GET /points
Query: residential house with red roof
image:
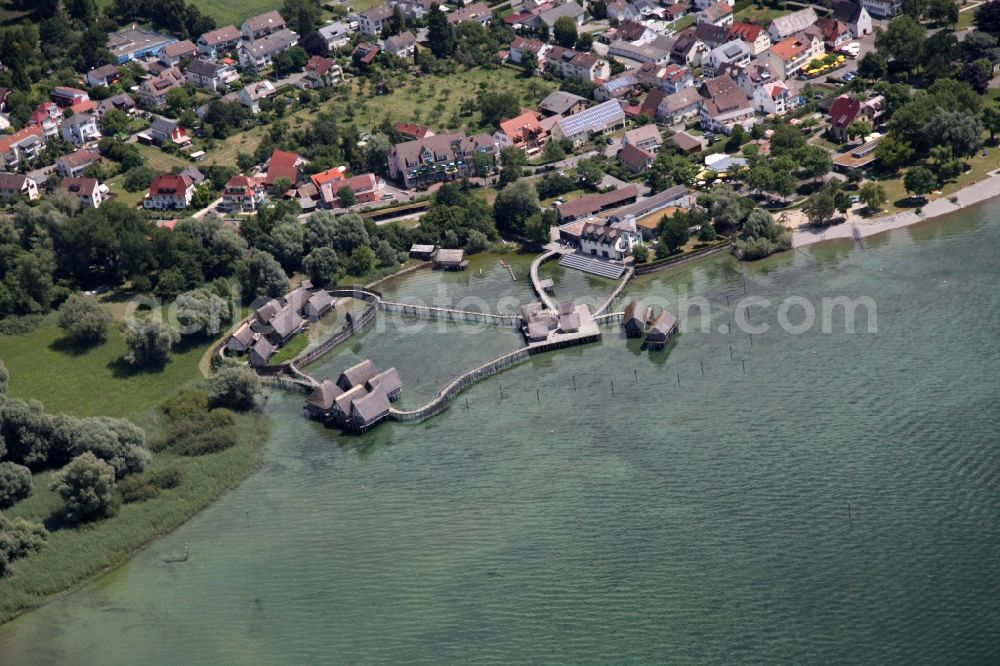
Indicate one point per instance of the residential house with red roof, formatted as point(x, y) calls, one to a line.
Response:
point(327, 183)
point(321, 72)
point(22, 146)
point(792, 54)
point(283, 164)
point(635, 158)
point(720, 14)
point(168, 192)
point(65, 96)
point(523, 132)
point(756, 37)
point(835, 33)
point(846, 110)
point(47, 116)
point(153, 92)
point(413, 131)
point(365, 53)
point(367, 187)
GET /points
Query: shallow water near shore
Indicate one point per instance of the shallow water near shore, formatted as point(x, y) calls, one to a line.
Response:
point(696, 512)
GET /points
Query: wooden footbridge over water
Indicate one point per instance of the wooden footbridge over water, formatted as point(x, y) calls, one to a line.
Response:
point(292, 376)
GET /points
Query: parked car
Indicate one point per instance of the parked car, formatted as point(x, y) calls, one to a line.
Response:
point(850, 76)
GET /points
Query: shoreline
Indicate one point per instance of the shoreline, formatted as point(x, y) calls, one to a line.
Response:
point(975, 193)
point(257, 440)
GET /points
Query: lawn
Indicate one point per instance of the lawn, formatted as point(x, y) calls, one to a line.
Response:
point(436, 101)
point(158, 161)
point(224, 11)
point(762, 17)
point(898, 199)
point(966, 16)
point(95, 380)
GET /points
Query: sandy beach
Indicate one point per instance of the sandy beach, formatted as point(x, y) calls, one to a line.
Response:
point(973, 194)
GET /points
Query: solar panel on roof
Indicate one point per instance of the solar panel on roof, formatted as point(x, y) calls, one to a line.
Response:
point(597, 117)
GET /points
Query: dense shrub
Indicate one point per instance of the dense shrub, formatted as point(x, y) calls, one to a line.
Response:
point(15, 484)
point(187, 405)
point(235, 388)
point(142, 487)
point(137, 488)
point(18, 538)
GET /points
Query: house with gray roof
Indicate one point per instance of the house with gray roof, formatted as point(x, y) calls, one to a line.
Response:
point(559, 103)
point(785, 26)
point(256, 55)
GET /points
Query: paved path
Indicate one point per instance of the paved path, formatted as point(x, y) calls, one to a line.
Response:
point(973, 194)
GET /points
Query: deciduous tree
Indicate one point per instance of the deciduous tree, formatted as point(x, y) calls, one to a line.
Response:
point(83, 319)
point(86, 486)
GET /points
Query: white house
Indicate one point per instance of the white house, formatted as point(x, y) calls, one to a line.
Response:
point(720, 14)
point(211, 76)
point(81, 128)
point(735, 53)
point(371, 21)
point(17, 186)
point(854, 16)
point(883, 9)
point(255, 56)
point(336, 35)
point(250, 95)
point(678, 106)
point(168, 192)
point(785, 26)
point(773, 98)
point(791, 55)
point(86, 190)
point(570, 64)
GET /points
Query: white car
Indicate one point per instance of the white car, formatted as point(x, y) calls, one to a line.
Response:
point(851, 50)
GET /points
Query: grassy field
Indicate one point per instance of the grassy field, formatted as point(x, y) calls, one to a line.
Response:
point(158, 161)
point(762, 17)
point(434, 101)
point(899, 199)
point(96, 381)
point(93, 381)
point(224, 11)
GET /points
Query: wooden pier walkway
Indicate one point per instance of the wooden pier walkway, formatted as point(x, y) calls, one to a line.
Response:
point(448, 314)
point(614, 294)
point(444, 397)
point(536, 281)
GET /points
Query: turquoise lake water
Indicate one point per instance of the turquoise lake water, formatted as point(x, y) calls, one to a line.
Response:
point(696, 514)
